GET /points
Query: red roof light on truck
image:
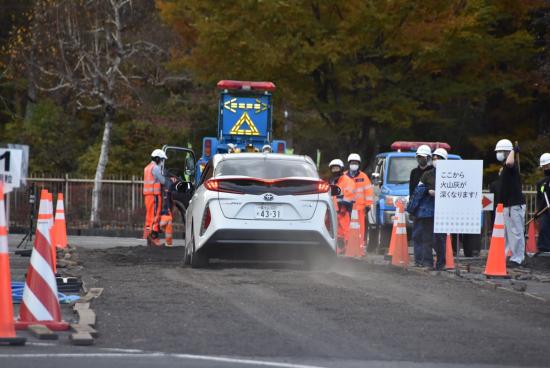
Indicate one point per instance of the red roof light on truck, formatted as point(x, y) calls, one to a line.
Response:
point(246, 85)
point(412, 146)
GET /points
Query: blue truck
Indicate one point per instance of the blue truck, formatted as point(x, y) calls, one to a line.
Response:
point(245, 120)
point(390, 179)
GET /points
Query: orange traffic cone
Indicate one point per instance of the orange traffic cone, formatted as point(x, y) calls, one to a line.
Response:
point(355, 241)
point(449, 259)
point(391, 248)
point(60, 227)
point(40, 303)
point(496, 260)
point(7, 325)
point(531, 245)
point(49, 217)
point(401, 248)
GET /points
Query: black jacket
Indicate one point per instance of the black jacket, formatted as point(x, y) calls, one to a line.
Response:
point(416, 174)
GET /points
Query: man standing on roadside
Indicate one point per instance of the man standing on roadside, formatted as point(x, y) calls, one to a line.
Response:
point(423, 157)
point(512, 198)
point(152, 181)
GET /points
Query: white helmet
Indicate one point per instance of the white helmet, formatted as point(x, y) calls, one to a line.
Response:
point(441, 152)
point(354, 157)
point(424, 151)
point(336, 162)
point(159, 153)
point(544, 159)
point(504, 145)
point(267, 148)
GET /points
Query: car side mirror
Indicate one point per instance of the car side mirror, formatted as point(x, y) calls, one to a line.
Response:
point(184, 187)
point(376, 178)
point(335, 190)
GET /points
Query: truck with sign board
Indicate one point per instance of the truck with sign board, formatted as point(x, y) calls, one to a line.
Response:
point(390, 179)
point(245, 120)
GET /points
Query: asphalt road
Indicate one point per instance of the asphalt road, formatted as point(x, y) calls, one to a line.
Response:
point(272, 314)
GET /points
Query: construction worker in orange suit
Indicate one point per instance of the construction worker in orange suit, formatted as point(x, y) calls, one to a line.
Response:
point(152, 182)
point(343, 203)
point(364, 193)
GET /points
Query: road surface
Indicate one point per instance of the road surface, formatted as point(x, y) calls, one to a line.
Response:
point(272, 314)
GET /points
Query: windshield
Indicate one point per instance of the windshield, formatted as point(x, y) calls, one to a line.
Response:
point(262, 168)
point(399, 169)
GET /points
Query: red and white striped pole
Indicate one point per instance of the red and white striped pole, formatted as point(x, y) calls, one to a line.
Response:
point(40, 303)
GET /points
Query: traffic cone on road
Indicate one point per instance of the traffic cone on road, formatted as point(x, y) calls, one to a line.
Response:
point(355, 241)
point(531, 244)
point(496, 260)
point(40, 304)
point(401, 248)
point(391, 247)
point(7, 325)
point(49, 217)
point(449, 258)
point(60, 227)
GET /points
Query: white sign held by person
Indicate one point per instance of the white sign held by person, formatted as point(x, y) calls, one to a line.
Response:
point(10, 168)
point(458, 187)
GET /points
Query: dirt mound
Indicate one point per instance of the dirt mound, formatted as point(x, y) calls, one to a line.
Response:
point(138, 255)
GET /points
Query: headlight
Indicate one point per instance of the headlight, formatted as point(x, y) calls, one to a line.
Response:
point(391, 200)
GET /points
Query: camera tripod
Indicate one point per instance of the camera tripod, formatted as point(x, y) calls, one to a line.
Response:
point(27, 241)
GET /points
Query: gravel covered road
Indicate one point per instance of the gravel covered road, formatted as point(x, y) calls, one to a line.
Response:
point(354, 314)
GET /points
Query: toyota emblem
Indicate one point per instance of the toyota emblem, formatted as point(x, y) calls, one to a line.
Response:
point(268, 197)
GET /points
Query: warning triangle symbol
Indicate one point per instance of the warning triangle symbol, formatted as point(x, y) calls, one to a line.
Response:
point(244, 122)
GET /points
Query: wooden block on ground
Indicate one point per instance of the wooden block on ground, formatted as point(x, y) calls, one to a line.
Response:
point(86, 317)
point(42, 332)
point(79, 306)
point(95, 292)
point(82, 339)
point(84, 328)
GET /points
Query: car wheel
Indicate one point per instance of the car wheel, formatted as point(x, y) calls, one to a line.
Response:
point(384, 237)
point(197, 260)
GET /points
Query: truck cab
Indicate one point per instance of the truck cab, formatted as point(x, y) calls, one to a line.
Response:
point(390, 180)
point(245, 121)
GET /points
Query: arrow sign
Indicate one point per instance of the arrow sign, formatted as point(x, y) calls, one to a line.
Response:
point(488, 202)
point(232, 105)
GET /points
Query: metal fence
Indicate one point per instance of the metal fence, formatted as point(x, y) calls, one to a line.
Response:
point(121, 201)
point(122, 205)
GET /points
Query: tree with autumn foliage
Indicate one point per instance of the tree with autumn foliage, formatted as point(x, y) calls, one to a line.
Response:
point(357, 74)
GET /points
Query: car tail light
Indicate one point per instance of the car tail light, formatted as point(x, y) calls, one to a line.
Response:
point(216, 185)
point(208, 147)
point(328, 223)
point(320, 187)
point(206, 219)
point(389, 201)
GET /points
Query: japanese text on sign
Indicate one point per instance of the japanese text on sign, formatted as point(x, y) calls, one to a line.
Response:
point(458, 196)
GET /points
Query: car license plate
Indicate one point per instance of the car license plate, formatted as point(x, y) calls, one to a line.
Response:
point(268, 212)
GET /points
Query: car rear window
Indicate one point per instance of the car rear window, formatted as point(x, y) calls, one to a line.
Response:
point(266, 169)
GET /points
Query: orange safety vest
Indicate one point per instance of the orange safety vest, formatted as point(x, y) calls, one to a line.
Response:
point(150, 185)
point(347, 188)
point(364, 193)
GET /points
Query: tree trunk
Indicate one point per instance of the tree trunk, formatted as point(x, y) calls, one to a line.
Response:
point(101, 165)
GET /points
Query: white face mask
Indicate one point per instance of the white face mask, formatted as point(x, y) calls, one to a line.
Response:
point(354, 167)
point(434, 163)
point(501, 156)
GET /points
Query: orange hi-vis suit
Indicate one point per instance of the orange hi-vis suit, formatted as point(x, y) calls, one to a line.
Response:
point(153, 201)
point(167, 227)
point(347, 187)
point(364, 197)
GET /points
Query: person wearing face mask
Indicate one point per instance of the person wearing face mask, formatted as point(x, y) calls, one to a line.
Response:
point(343, 203)
point(543, 200)
point(512, 198)
point(423, 157)
point(364, 193)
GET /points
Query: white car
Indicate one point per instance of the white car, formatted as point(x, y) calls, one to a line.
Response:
point(260, 206)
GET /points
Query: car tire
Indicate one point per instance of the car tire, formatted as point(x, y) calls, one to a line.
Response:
point(384, 238)
point(197, 260)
